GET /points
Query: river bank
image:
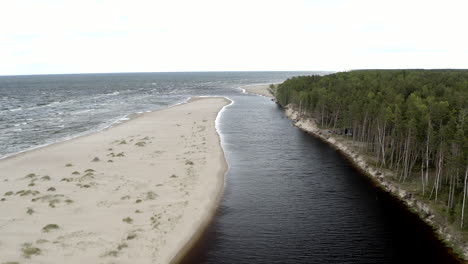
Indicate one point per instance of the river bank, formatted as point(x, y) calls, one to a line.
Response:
point(140, 191)
point(382, 178)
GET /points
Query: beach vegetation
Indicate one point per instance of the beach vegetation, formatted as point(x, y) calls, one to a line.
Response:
point(88, 174)
point(127, 220)
point(138, 211)
point(30, 176)
point(121, 154)
point(140, 144)
point(122, 246)
point(28, 250)
point(122, 142)
point(138, 201)
point(47, 197)
point(96, 159)
point(50, 227)
point(112, 253)
point(10, 262)
point(45, 178)
point(151, 195)
point(188, 162)
point(42, 241)
point(51, 189)
point(9, 193)
point(110, 160)
point(67, 179)
point(89, 170)
point(76, 173)
point(53, 202)
point(3, 199)
point(31, 184)
point(68, 165)
point(68, 201)
point(30, 211)
point(131, 236)
point(27, 192)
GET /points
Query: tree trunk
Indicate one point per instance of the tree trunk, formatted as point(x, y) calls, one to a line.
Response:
point(464, 196)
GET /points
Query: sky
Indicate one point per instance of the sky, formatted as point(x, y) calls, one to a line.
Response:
point(91, 36)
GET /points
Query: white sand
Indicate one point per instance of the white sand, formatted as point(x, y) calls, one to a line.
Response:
point(165, 178)
point(259, 90)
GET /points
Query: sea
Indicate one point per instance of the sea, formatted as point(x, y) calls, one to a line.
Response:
point(37, 110)
point(288, 198)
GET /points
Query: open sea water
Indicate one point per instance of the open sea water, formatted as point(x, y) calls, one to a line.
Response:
point(42, 109)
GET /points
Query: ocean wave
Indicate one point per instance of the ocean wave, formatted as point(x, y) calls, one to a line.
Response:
point(80, 112)
point(51, 104)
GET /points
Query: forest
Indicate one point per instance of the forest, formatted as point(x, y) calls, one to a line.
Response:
point(412, 122)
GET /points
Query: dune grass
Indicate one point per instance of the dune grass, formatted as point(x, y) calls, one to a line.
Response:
point(127, 220)
point(131, 236)
point(50, 227)
point(45, 178)
point(28, 250)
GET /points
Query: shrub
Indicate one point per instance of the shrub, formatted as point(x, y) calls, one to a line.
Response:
point(30, 211)
point(49, 228)
point(28, 250)
point(127, 220)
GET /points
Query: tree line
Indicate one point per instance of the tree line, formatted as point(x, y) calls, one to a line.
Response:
point(413, 122)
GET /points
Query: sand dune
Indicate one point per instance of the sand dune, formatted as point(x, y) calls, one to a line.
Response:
point(134, 193)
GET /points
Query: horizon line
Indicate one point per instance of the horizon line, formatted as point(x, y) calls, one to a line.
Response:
point(124, 72)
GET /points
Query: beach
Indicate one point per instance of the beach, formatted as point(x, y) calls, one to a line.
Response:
point(259, 90)
point(138, 192)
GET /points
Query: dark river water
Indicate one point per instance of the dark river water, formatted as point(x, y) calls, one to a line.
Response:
point(290, 198)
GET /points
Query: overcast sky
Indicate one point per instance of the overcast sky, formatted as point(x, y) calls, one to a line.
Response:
point(52, 36)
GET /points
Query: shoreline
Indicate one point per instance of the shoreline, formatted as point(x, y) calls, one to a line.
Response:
point(259, 89)
point(198, 234)
point(115, 123)
point(171, 211)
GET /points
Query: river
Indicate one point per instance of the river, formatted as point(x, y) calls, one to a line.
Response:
point(290, 198)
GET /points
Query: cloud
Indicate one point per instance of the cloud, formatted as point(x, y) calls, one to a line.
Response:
point(123, 36)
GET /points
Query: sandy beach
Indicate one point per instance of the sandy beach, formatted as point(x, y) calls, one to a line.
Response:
point(135, 193)
point(259, 90)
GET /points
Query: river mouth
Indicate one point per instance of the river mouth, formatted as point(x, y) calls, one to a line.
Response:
point(291, 198)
